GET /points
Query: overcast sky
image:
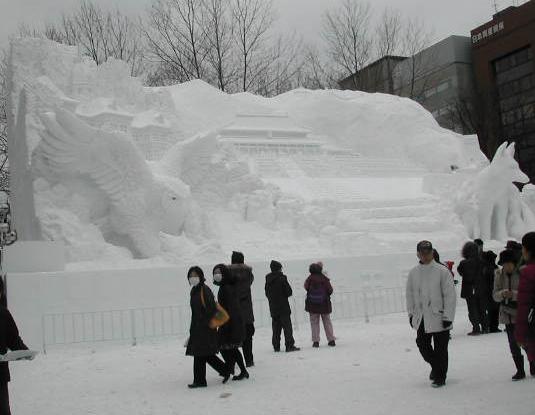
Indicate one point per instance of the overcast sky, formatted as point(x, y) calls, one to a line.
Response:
point(446, 17)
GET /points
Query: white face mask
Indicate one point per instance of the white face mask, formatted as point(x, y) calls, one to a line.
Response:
point(193, 281)
point(218, 277)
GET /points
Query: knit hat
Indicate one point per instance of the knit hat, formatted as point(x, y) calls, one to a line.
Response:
point(237, 257)
point(507, 256)
point(489, 257)
point(275, 266)
point(513, 245)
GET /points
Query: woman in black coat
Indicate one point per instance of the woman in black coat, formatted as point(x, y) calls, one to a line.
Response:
point(231, 334)
point(203, 341)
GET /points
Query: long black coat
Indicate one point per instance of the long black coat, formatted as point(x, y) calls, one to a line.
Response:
point(232, 334)
point(202, 339)
point(471, 271)
point(243, 274)
point(9, 340)
point(278, 291)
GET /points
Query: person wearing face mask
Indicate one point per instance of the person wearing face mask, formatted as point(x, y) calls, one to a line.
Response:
point(505, 292)
point(232, 334)
point(203, 340)
point(431, 303)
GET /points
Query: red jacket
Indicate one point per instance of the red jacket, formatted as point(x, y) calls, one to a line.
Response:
point(526, 299)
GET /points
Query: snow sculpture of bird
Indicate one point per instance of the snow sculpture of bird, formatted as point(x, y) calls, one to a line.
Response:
point(141, 204)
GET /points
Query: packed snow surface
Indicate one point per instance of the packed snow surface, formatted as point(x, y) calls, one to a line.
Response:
point(375, 369)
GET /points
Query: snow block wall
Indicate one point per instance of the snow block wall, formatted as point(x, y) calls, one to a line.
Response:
point(128, 176)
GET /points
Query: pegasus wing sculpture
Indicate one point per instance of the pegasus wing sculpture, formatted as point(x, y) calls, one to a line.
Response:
point(142, 205)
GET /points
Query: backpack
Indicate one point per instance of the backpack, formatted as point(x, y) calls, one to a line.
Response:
point(317, 294)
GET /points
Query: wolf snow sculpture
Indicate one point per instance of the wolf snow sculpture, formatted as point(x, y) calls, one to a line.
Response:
point(490, 205)
point(140, 203)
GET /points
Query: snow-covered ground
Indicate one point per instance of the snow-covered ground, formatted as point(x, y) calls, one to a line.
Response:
point(375, 369)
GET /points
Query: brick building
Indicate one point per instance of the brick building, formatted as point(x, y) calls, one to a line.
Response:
point(503, 52)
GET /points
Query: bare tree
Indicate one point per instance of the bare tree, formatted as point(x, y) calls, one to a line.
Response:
point(252, 20)
point(99, 33)
point(219, 34)
point(346, 33)
point(388, 43)
point(176, 37)
point(414, 74)
point(283, 63)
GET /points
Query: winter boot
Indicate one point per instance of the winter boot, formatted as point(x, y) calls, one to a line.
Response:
point(277, 349)
point(432, 375)
point(475, 332)
point(316, 344)
point(332, 343)
point(520, 373)
point(241, 376)
point(292, 349)
point(197, 385)
point(438, 384)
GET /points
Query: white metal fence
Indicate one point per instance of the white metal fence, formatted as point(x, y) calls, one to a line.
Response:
point(133, 325)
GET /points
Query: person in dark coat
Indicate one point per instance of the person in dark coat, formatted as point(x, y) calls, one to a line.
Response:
point(470, 269)
point(244, 280)
point(318, 304)
point(278, 291)
point(506, 293)
point(203, 341)
point(9, 340)
point(526, 300)
point(486, 288)
point(231, 334)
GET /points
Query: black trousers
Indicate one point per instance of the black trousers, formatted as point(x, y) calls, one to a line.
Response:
point(4, 399)
point(232, 357)
point(494, 315)
point(280, 323)
point(516, 352)
point(477, 313)
point(199, 367)
point(248, 344)
point(434, 349)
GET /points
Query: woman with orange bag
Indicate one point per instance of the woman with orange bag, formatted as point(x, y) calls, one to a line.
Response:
point(203, 341)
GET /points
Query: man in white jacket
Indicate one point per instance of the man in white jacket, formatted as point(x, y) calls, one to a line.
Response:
point(431, 302)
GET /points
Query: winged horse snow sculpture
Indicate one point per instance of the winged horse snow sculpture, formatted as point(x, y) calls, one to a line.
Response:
point(490, 205)
point(141, 203)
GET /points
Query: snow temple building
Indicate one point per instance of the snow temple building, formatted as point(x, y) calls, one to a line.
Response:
point(269, 133)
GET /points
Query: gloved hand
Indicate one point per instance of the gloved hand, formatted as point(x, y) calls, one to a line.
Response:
point(446, 324)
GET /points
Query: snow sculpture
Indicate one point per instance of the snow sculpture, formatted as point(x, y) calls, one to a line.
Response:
point(139, 203)
point(490, 205)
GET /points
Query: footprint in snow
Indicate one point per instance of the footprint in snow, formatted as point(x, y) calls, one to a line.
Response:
point(225, 395)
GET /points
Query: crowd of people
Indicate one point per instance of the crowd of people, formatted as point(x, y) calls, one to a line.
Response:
point(224, 323)
point(502, 293)
point(495, 294)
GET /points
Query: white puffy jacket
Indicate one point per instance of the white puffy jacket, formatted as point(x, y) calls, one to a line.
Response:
point(431, 296)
